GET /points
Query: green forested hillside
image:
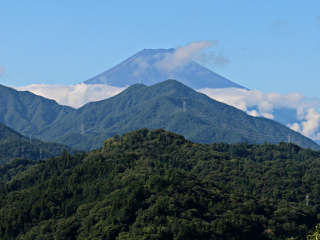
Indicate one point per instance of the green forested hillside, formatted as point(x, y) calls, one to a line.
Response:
point(14, 145)
point(26, 112)
point(202, 119)
point(6, 133)
point(157, 185)
point(169, 105)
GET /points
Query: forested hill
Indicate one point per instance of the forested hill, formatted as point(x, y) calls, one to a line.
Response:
point(14, 145)
point(26, 112)
point(6, 133)
point(170, 105)
point(157, 185)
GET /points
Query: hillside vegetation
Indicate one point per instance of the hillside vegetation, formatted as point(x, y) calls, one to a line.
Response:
point(14, 145)
point(154, 184)
point(169, 105)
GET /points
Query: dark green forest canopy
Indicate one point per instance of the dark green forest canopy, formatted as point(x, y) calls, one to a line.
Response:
point(154, 184)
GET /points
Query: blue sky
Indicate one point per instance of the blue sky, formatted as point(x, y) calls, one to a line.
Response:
point(270, 45)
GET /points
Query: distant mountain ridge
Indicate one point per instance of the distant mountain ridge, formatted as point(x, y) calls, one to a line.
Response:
point(26, 112)
point(170, 105)
point(143, 67)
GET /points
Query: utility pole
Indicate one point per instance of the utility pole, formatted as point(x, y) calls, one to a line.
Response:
point(307, 200)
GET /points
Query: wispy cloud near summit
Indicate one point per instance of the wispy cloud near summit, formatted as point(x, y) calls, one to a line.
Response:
point(193, 51)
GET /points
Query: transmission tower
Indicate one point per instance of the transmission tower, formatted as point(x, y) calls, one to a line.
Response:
point(307, 200)
point(184, 106)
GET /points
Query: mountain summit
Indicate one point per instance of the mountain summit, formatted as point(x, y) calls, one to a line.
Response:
point(151, 66)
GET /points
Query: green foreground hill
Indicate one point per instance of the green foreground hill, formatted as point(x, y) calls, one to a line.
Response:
point(157, 185)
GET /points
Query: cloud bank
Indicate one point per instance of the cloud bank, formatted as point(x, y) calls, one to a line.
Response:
point(256, 103)
point(193, 51)
point(73, 95)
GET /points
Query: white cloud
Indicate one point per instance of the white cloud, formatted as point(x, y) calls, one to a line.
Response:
point(73, 95)
point(1, 70)
point(253, 113)
point(267, 115)
point(193, 51)
point(142, 66)
point(311, 124)
point(256, 103)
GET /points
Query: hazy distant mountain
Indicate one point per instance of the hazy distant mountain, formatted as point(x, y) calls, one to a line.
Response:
point(169, 105)
point(147, 67)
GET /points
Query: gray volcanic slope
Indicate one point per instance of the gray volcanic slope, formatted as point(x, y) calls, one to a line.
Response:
point(143, 67)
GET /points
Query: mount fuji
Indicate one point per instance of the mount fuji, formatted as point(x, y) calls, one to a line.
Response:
point(151, 66)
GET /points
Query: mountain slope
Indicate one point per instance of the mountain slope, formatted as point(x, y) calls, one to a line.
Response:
point(169, 105)
point(145, 67)
point(14, 145)
point(7, 133)
point(26, 112)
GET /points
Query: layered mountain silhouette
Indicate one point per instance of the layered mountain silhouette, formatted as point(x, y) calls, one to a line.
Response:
point(170, 105)
point(150, 66)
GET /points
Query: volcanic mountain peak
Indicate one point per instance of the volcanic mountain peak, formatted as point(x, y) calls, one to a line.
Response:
point(151, 66)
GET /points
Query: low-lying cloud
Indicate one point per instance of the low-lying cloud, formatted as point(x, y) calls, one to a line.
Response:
point(256, 103)
point(73, 95)
point(193, 51)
